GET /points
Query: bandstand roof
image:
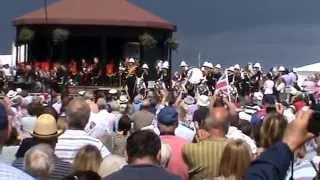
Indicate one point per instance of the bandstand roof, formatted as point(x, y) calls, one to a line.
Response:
point(95, 12)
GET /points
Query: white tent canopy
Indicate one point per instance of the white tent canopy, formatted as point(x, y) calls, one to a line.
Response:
point(311, 68)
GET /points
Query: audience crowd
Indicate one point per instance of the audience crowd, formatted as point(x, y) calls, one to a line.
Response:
point(161, 134)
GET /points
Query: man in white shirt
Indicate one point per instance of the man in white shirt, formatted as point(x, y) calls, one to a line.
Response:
point(101, 123)
point(74, 138)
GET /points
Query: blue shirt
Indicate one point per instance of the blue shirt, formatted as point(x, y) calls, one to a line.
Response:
point(9, 172)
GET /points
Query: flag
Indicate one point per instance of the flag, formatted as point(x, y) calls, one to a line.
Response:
point(223, 82)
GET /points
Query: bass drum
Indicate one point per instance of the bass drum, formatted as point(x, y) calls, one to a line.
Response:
point(194, 76)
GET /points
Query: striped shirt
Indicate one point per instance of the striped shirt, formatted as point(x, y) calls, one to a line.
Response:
point(9, 172)
point(203, 158)
point(61, 168)
point(71, 141)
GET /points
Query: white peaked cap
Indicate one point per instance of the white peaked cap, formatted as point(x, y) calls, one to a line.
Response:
point(205, 64)
point(131, 60)
point(209, 65)
point(237, 66)
point(281, 69)
point(183, 64)
point(257, 65)
point(145, 66)
point(218, 66)
point(165, 65)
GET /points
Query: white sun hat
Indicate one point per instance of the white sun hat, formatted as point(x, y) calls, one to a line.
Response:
point(203, 101)
point(145, 66)
point(183, 64)
point(11, 94)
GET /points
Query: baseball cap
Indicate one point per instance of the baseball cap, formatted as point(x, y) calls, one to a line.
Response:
point(168, 116)
point(3, 117)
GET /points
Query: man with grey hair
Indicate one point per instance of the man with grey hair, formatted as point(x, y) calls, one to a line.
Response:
point(39, 161)
point(77, 116)
point(209, 151)
point(6, 171)
point(104, 121)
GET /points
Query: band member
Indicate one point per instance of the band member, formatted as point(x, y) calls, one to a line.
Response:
point(145, 74)
point(209, 76)
point(84, 72)
point(96, 72)
point(131, 76)
point(165, 75)
point(256, 78)
point(183, 71)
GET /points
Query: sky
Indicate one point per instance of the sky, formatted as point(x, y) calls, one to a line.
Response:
point(273, 32)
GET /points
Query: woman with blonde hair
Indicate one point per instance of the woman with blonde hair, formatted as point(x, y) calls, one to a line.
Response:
point(272, 130)
point(235, 160)
point(88, 158)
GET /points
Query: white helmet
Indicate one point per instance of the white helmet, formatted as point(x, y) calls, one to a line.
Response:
point(131, 60)
point(145, 66)
point(218, 66)
point(237, 66)
point(183, 64)
point(165, 65)
point(281, 68)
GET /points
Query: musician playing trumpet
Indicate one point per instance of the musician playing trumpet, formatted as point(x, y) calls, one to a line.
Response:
point(131, 77)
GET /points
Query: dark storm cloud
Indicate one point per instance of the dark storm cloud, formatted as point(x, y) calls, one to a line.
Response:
point(228, 31)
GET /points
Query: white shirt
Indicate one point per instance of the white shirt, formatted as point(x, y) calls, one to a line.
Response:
point(235, 133)
point(101, 123)
point(268, 87)
point(57, 106)
point(281, 87)
point(71, 141)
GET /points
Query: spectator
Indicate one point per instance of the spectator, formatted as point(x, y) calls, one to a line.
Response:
point(202, 112)
point(166, 154)
point(167, 124)
point(88, 158)
point(111, 164)
point(116, 142)
point(103, 123)
point(69, 143)
point(28, 122)
point(203, 158)
point(235, 160)
point(144, 117)
point(6, 171)
point(275, 161)
point(45, 132)
point(143, 150)
point(38, 161)
point(272, 130)
point(83, 175)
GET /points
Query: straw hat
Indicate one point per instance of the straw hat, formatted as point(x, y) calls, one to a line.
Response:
point(46, 127)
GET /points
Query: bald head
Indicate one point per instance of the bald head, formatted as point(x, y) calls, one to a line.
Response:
point(78, 113)
point(219, 119)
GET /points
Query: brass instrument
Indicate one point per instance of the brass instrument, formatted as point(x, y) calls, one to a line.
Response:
point(132, 71)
